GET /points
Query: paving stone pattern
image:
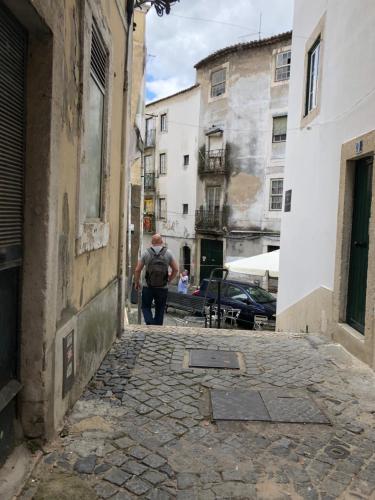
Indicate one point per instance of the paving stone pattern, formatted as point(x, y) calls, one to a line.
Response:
point(142, 429)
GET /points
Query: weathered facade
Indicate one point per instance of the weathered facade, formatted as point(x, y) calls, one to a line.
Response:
point(242, 134)
point(170, 173)
point(64, 116)
point(327, 273)
point(136, 145)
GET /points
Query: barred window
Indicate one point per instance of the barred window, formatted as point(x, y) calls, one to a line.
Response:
point(218, 82)
point(279, 128)
point(283, 61)
point(276, 194)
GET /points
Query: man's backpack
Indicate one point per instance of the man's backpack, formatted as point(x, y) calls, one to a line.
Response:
point(157, 269)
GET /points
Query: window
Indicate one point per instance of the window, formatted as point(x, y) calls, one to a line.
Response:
point(163, 122)
point(312, 77)
point(276, 194)
point(282, 71)
point(185, 208)
point(92, 187)
point(213, 198)
point(150, 132)
point(279, 128)
point(218, 82)
point(235, 293)
point(148, 164)
point(162, 164)
point(186, 160)
point(162, 208)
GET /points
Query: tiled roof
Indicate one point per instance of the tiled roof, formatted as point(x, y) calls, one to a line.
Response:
point(245, 46)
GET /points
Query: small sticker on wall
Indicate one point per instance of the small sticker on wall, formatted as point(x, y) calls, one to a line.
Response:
point(288, 200)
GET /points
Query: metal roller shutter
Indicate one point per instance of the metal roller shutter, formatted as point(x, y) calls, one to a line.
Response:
point(12, 136)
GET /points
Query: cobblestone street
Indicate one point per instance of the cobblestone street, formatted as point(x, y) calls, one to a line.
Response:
point(143, 428)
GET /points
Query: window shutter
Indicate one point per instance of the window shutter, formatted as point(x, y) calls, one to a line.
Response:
point(280, 125)
point(98, 57)
point(12, 135)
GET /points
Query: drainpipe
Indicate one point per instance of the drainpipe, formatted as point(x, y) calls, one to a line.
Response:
point(140, 249)
point(121, 272)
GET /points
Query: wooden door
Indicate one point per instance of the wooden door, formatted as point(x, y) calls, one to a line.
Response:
point(357, 284)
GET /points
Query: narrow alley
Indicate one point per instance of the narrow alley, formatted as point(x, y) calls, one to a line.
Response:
point(144, 428)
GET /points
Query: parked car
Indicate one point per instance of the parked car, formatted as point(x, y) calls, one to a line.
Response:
point(251, 299)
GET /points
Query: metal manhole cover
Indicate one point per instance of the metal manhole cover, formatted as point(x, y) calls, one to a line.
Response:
point(292, 407)
point(210, 358)
point(267, 405)
point(238, 405)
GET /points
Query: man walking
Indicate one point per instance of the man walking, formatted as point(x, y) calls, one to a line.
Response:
point(157, 260)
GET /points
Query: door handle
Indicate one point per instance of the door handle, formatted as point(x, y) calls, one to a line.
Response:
point(360, 244)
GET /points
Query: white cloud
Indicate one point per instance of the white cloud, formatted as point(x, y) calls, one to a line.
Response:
point(163, 88)
point(178, 41)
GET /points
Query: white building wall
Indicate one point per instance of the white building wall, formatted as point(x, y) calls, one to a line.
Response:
point(178, 185)
point(347, 110)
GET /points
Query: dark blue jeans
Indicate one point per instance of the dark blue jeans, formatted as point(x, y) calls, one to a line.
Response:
point(159, 296)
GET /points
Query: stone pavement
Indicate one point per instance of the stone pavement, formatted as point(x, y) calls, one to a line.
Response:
point(142, 429)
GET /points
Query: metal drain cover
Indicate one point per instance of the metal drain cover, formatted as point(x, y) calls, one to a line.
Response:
point(267, 405)
point(238, 405)
point(291, 406)
point(210, 358)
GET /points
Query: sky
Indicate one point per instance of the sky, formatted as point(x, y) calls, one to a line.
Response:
point(196, 28)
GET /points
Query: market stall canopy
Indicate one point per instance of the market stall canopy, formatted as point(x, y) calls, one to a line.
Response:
point(258, 265)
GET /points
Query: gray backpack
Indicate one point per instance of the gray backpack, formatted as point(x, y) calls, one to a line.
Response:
point(157, 269)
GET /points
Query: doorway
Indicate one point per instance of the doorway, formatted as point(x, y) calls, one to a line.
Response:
point(211, 257)
point(13, 44)
point(357, 283)
point(186, 253)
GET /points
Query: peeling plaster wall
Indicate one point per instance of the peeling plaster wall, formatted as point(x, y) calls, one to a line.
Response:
point(60, 287)
point(245, 113)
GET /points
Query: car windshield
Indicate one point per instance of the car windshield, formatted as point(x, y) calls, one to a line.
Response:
point(259, 294)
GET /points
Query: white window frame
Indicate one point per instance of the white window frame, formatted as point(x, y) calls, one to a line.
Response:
point(279, 137)
point(280, 65)
point(313, 69)
point(276, 195)
point(222, 82)
point(162, 163)
point(217, 191)
point(162, 213)
point(163, 122)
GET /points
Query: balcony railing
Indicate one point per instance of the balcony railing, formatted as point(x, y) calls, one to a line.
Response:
point(150, 138)
point(211, 220)
point(214, 162)
point(149, 182)
point(149, 223)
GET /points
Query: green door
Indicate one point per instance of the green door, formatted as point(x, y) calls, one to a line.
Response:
point(211, 257)
point(356, 306)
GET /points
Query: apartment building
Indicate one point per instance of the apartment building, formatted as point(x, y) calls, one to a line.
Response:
point(242, 136)
point(170, 173)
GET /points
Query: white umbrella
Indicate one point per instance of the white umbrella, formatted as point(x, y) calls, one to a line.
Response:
point(258, 265)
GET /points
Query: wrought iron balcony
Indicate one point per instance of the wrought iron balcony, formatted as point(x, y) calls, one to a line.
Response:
point(211, 220)
point(149, 223)
point(150, 138)
point(213, 162)
point(149, 182)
